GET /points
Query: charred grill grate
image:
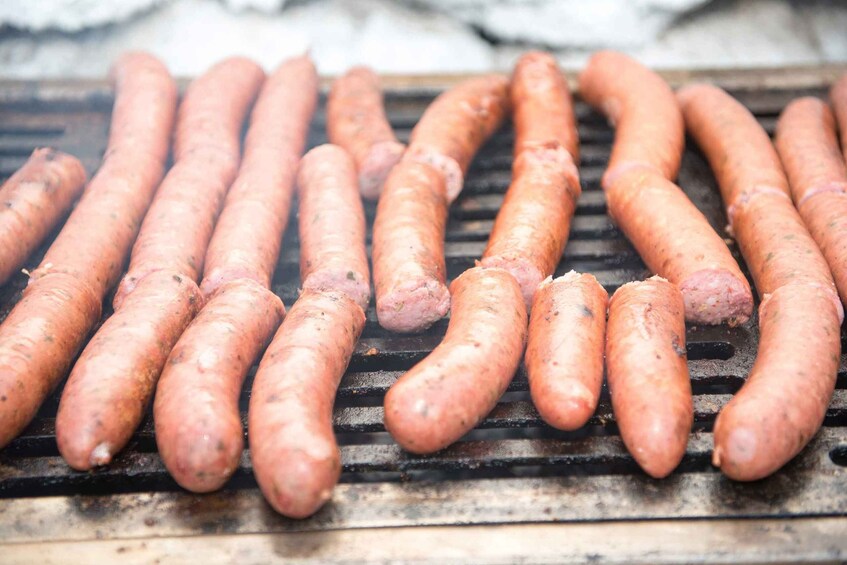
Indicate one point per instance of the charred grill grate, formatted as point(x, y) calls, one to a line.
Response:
point(580, 476)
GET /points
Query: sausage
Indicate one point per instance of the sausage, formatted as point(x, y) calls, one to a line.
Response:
point(410, 276)
point(198, 425)
point(647, 373)
point(332, 225)
point(356, 121)
point(87, 256)
point(38, 340)
point(542, 106)
point(642, 107)
point(675, 240)
point(738, 149)
point(799, 297)
point(456, 125)
point(454, 387)
point(295, 457)
point(838, 98)
point(808, 147)
point(33, 201)
point(247, 237)
point(111, 384)
point(783, 403)
point(179, 224)
point(564, 354)
point(95, 240)
point(532, 226)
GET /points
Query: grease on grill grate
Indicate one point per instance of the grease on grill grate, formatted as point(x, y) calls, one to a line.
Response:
point(512, 441)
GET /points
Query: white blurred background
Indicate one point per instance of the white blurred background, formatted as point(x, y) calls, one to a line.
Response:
point(79, 38)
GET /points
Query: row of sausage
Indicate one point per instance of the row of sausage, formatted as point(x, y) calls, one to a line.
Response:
point(221, 214)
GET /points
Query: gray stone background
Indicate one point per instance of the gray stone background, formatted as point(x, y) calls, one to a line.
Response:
point(79, 38)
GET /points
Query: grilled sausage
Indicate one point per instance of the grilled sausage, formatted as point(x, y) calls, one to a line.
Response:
point(783, 403)
point(356, 121)
point(95, 422)
point(450, 391)
point(198, 425)
point(111, 384)
point(332, 225)
point(410, 276)
point(38, 340)
point(179, 224)
point(91, 248)
point(564, 354)
point(649, 132)
point(456, 125)
point(675, 240)
point(292, 446)
point(247, 237)
point(794, 280)
point(808, 147)
point(542, 106)
point(33, 201)
point(838, 98)
point(532, 226)
point(647, 373)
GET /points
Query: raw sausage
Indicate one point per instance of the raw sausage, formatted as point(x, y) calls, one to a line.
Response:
point(564, 354)
point(248, 235)
point(356, 121)
point(198, 425)
point(675, 240)
point(783, 403)
point(112, 382)
point(292, 446)
point(647, 373)
point(86, 258)
point(838, 98)
point(451, 390)
point(808, 146)
point(410, 276)
point(532, 226)
point(456, 125)
point(649, 131)
point(332, 225)
point(33, 201)
point(179, 224)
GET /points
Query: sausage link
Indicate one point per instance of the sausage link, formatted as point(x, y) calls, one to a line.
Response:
point(356, 121)
point(38, 340)
point(838, 98)
point(542, 106)
point(292, 445)
point(676, 241)
point(95, 240)
point(647, 373)
point(33, 201)
point(332, 225)
point(808, 146)
point(451, 390)
point(456, 125)
point(532, 226)
point(783, 403)
point(247, 237)
point(410, 276)
point(564, 354)
point(649, 131)
point(111, 384)
point(179, 224)
point(198, 425)
point(738, 149)
point(91, 248)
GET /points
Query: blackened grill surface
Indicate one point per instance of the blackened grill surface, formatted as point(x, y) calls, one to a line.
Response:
point(511, 469)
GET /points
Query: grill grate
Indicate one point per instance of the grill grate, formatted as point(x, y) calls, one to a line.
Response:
point(511, 469)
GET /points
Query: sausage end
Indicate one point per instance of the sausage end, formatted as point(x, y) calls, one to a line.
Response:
point(413, 307)
point(716, 296)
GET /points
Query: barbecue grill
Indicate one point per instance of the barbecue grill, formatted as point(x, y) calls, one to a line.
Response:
point(513, 487)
